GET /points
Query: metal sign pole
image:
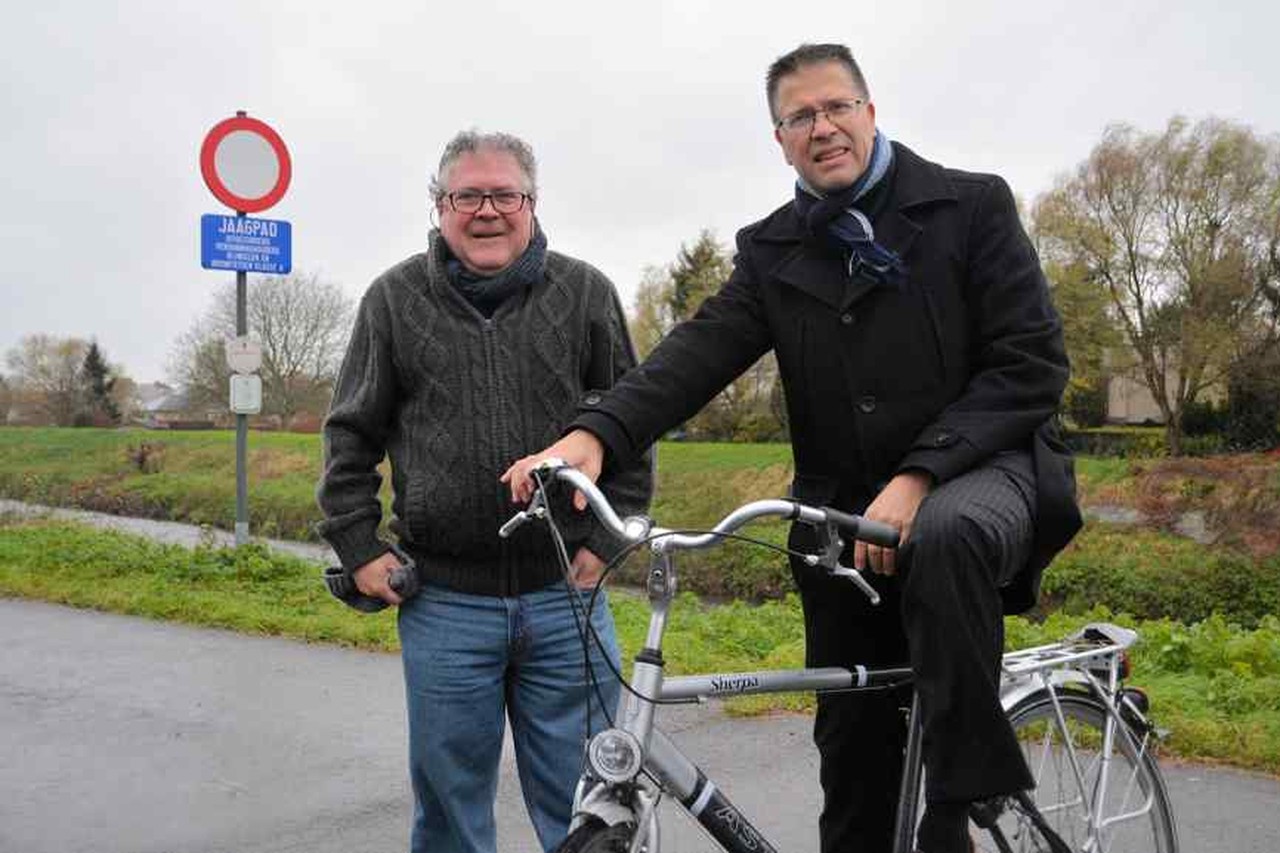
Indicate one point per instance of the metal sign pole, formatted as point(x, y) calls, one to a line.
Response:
point(242, 421)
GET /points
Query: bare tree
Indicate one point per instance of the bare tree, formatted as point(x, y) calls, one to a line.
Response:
point(48, 369)
point(1180, 231)
point(750, 408)
point(302, 324)
point(651, 315)
point(198, 364)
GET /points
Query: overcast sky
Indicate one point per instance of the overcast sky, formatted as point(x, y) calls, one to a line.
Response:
point(649, 122)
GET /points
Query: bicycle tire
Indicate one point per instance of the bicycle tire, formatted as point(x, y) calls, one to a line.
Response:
point(1134, 785)
point(595, 836)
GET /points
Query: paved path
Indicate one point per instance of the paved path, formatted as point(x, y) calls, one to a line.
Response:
point(122, 735)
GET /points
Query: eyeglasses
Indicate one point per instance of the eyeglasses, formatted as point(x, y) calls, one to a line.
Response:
point(503, 201)
point(802, 121)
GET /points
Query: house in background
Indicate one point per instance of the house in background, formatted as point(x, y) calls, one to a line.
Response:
point(24, 407)
point(160, 406)
point(1129, 401)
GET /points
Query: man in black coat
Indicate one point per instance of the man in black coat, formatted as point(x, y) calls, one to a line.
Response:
point(923, 364)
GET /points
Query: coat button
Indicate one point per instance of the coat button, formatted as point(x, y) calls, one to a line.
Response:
point(942, 439)
point(867, 404)
point(846, 318)
point(591, 400)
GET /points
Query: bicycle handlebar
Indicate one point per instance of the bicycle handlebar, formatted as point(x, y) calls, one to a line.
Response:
point(857, 527)
point(636, 528)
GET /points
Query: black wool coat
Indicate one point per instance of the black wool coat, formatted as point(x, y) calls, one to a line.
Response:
point(962, 360)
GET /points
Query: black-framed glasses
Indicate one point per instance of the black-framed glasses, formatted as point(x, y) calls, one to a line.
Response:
point(503, 201)
point(802, 121)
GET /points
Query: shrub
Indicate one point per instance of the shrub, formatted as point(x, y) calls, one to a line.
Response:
point(1141, 443)
point(1151, 578)
point(1203, 417)
point(146, 456)
point(1205, 445)
point(1252, 417)
point(1122, 442)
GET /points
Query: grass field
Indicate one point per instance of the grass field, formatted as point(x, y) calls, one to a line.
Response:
point(190, 477)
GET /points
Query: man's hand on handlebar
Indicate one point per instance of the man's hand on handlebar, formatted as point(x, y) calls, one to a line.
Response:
point(896, 505)
point(579, 448)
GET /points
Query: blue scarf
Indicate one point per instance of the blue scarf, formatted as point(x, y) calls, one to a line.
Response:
point(836, 221)
point(488, 292)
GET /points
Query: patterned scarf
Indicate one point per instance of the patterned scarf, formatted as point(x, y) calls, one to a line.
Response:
point(836, 221)
point(488, 292)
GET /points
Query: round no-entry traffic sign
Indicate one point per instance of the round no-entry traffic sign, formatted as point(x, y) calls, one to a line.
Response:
point(245, 164)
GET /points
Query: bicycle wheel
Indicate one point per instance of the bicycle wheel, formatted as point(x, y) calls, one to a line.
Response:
point(595, 836)
point(1073, 781)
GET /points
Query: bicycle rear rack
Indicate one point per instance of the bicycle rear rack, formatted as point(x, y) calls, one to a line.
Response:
point(1095, 647)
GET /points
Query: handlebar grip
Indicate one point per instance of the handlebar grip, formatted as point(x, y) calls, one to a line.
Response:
point(403, 581)
point(343, 587)
point(857, 527)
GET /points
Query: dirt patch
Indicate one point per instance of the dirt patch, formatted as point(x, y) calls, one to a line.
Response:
point(104, 494)
point(1237, 496)
point(270, 464)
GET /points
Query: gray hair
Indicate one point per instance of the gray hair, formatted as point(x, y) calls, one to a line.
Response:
point(471, 141)
point(810, 54)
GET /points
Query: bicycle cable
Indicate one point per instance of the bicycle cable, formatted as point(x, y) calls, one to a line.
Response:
point(579, 618)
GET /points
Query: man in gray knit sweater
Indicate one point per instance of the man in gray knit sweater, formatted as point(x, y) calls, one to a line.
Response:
point(463, 357)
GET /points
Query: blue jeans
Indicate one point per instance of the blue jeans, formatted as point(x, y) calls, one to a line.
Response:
point(470, 663)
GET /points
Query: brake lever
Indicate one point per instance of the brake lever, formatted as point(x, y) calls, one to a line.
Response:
point(830, 560)
point(859, 581)
point(536, 510)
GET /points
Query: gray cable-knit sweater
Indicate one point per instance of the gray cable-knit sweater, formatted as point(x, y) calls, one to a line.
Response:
point(452, 399)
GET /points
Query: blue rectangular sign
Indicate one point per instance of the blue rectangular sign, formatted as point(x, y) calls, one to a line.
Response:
point(244, 243)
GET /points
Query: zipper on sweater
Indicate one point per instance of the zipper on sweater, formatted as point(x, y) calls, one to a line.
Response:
point(488, 329)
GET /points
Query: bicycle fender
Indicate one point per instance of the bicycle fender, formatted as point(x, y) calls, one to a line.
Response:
point(1014, 691)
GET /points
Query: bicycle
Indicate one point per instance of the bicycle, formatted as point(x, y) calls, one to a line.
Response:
point(1086, 736)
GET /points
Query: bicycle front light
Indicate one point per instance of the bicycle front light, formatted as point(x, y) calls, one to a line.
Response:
point(614, 755)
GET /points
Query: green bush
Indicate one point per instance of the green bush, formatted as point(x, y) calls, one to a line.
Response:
point(1253, 413)
point(1203, 417)
point(1122, 442)
point(1142, 443)
point(1156, 577)
point(1205, 445)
